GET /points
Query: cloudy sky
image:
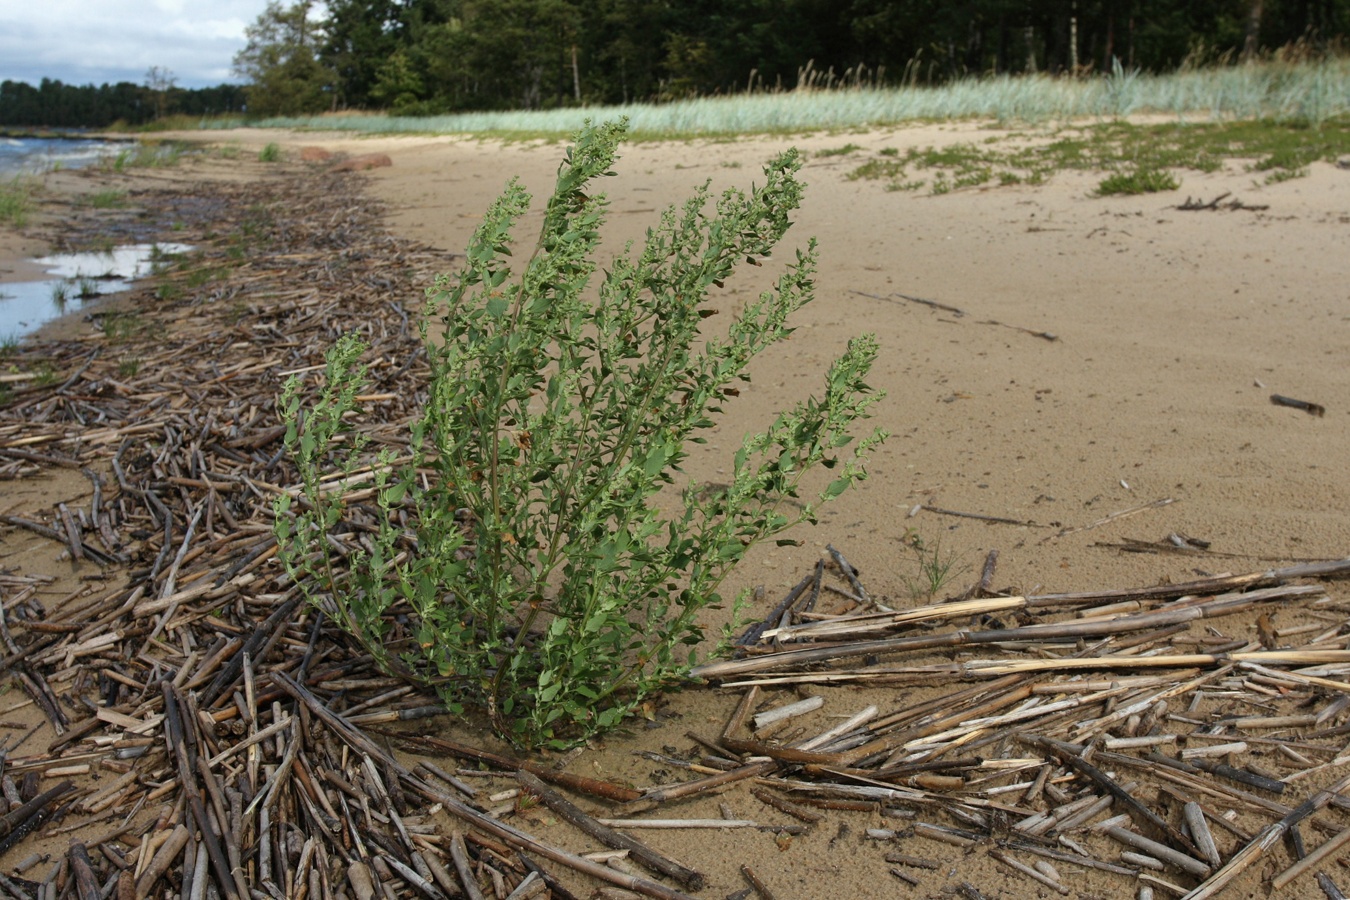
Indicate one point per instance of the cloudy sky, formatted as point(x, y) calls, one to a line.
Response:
point(97, 41)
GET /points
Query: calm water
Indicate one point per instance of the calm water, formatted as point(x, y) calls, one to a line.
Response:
point(29, 156)
point(74, 279)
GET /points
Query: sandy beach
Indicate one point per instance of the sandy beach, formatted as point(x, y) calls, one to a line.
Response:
point(1070, 380)
point(1173, 329)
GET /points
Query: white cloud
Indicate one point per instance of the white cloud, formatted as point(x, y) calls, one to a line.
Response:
point(93, 41)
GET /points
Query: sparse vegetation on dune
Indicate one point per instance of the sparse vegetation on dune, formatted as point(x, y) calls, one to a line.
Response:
point(1146, 157)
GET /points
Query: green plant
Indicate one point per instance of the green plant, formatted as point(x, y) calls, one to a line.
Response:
point(129, 366)
point(108, 198)
point(44, 374)
point(86, 288)
point(935, 568)
point(16, 201)
point(838, 151)
point(60, 294)
point(1279, 175)
point(526, 556)
point(1140, 181)
point(271, 153)
point(118, 328)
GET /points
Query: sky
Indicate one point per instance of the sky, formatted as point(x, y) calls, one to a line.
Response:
point(96, 41)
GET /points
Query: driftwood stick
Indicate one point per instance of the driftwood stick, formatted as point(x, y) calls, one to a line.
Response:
point(1028, 871)
point(163, 858)
point(178, 750)
point(1204, 838)
point(672, 792)
point(82, 869)
point(757, 883)
point(608, 836)
point(1222, 605)
point(981, 517)
point(580, 783)
point(1269, 837)
point(1311, 861)
point(985, 585)
point(459, 854)
point(13, 820)
point(1182, 861)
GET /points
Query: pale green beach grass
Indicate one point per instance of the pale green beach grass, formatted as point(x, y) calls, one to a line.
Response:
point(1305, 92)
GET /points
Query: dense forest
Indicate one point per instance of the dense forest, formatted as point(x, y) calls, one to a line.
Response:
point(435, 56)
point(53, 104)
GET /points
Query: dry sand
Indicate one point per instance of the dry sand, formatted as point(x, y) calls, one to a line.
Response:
point(1173, 329)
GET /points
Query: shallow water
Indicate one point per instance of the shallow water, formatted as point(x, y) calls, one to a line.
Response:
point(25, 306)
point(30, 156)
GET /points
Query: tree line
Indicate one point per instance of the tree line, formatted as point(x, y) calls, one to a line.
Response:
point(54, 104)
point(434, 56)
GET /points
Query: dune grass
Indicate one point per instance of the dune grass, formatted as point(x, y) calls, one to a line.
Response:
point(1305, 92)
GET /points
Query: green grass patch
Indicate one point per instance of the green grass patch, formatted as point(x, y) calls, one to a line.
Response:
point(119, 328)
point(1140, 181)
point(86, 288)
point(108, 198)
point(846, 150)
point(16, 201)
point(270, 154)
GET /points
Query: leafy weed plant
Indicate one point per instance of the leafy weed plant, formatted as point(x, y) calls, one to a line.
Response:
point(520, 561)
point(270, 154)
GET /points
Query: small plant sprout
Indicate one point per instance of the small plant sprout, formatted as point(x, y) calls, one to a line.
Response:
point(519, 561)
point(86, 288)
point(936, 569)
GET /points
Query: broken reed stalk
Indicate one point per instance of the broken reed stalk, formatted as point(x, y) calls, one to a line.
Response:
point(1269, 837)
point(608, 836)
point(1224, 604)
